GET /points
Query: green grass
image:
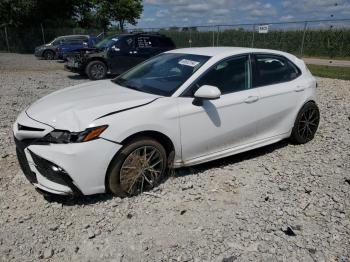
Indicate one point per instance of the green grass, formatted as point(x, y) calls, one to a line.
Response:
point(344, 58)
point(330, 71)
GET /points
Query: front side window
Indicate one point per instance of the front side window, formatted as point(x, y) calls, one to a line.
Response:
point(273, 69)
point(162, 74)
point(229, 76)
point(107, 42)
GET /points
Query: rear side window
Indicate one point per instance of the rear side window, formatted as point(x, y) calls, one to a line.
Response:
point(273, 69)
point(75, 40)
point(144, 41)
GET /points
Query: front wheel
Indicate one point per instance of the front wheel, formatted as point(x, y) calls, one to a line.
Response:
point(306, 124)
point(49, 55)
point(96, 70)
point(140, 166)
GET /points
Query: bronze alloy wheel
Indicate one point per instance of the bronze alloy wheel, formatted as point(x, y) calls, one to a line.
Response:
point(138, 167)
point(141, 169)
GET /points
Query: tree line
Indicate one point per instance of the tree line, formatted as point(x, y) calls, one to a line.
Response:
point(70, 13)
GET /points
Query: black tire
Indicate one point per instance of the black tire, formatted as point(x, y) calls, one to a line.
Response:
point(306, 124)
point(49, 55)
point(96, 70)
point(128, 166)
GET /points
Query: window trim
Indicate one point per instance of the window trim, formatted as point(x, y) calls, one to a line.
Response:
point(250, 82)
point(255, 68)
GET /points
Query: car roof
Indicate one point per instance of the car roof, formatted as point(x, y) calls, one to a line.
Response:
point(72, 36)
point(225, 51)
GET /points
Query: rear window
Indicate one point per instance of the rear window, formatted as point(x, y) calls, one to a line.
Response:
point(166, 42)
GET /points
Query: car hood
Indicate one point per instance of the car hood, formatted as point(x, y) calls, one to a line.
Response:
point(42, 46)
point(75, 108)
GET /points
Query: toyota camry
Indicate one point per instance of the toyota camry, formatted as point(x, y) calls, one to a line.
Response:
point(180, 108)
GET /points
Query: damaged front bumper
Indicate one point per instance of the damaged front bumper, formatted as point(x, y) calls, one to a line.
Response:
point(64, 169)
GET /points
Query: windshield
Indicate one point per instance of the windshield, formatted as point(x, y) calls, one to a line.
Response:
point(107, 42)
point(162, 74)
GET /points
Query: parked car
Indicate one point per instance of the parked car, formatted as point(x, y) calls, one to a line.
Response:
point(180, 108)
point(60, 46)
point(117, 54)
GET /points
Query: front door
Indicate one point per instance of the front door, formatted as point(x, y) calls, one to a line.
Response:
point(224, 123)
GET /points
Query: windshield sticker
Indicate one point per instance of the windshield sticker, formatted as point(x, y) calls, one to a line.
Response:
point(115, 39)
point(187, 62)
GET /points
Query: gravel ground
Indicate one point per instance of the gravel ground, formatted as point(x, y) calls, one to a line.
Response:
point(278, 203)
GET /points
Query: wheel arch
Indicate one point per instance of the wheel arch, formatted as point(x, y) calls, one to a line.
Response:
point(156, 135)
point(96, 58)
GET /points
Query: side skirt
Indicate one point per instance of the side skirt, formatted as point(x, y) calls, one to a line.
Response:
point(231, 151)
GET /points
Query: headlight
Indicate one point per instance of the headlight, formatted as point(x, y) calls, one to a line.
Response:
point(65, 137)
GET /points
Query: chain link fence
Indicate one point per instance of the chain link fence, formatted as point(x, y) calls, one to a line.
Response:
point(24, 40)
point(321, 38)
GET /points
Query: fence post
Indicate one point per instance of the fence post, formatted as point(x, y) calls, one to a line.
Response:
point(42, 32)
point(213, 37)
point(303, 40)
point(217, 37)
point(190, 41)
point(7, 40)
point(253, 36)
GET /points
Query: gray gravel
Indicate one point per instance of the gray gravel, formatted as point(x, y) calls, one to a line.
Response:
point(278, 203)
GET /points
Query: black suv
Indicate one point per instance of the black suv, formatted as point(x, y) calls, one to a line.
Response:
point(116, 54)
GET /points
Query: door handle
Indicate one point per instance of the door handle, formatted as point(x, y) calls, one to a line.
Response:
point(299, 89)
point(251, 99)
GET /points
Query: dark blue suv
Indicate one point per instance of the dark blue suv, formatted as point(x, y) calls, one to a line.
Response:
point(60, 46)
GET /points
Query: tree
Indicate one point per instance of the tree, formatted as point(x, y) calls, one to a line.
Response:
point(12, 12)
point(120, 11)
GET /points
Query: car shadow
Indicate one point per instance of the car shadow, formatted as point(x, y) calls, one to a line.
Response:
point(78, 77)
point(76, 200)
point(181, 172)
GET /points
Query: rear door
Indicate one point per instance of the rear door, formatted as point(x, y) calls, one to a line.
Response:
point(280, 90)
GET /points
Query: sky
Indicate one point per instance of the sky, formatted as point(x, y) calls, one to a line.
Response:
point(166, 13)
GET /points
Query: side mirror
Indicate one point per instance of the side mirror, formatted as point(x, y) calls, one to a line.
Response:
point(208, 92)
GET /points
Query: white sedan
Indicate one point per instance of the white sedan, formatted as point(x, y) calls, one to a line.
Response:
point(180, 108)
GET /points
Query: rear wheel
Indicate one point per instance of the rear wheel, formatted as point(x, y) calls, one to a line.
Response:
point(96, 70)
point(49, 55)
point(306, 124)
point(138, 167)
